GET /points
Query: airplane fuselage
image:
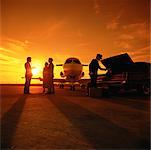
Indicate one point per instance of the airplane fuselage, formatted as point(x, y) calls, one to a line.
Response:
point(73, 72)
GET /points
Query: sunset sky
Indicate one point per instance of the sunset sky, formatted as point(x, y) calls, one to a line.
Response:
point(70, 28)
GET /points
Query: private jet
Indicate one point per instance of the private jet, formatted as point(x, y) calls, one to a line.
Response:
point(72, 73)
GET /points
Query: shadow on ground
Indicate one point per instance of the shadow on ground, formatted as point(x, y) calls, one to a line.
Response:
point(99, 132)
point(10, 121)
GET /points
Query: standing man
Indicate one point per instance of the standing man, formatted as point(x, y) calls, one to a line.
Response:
point(28, 75)
point(51, 75)
point(93, 68)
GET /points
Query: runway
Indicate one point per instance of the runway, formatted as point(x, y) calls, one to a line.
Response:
point(72, 120)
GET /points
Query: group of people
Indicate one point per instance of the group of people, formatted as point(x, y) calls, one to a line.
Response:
point(48, 74)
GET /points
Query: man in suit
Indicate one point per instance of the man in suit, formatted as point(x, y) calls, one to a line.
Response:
point(28, 75)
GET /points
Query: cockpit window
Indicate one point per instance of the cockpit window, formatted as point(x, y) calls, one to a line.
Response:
point(72, 60)
point(68, 61)
point(76, 61)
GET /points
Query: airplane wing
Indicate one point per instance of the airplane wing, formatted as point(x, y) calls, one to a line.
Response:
point(81, 81)
point(84, 81)
point(59, 80)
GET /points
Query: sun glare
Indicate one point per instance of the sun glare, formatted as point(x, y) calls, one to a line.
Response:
point(35, 71)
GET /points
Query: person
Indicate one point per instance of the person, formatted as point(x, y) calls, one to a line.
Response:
point(93, 69)
point(51, 75)
point(28, 76)
point(45, 77)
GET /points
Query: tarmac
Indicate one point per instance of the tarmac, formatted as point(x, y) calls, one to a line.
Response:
point(72, 120)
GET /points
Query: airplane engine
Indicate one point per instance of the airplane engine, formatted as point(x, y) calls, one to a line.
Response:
point(82, 75)
point(61, 74)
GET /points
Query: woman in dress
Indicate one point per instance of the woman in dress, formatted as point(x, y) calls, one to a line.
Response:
point(51, 75)
point(45, 77)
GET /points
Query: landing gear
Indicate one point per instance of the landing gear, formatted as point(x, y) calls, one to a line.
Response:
point(83, 86)
point(72, 87)
point(61, 86)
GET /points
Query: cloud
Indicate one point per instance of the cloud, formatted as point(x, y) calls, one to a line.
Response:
point(112, 25)
point(135, 25)
point(124, 41)
point(83, 44)
point(146, 48)
point(126, 37)
point(115, 21)
point(122, 44)
point(9, 58)
point(12, 51)
point(79, 33)
point(96, 7)
point(132, 36)
point(6, 50)
point(138, 30)
point(47, 31)
point(14, 48)
point(74, 33)
point(24, 44)
point(56, 26)
point(6, 70)
point(2, 59)
point(141, 54)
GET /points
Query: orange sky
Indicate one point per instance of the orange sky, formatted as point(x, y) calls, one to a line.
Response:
point(67, 28)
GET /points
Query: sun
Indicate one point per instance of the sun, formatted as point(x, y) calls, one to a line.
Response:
point(35, 71)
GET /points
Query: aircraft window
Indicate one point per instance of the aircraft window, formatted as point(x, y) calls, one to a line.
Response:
point(68, 61)
point(76, 61)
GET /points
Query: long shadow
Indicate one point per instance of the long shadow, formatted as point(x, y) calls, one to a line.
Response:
point(133, 104)
point(101, 133)
point(10, 121)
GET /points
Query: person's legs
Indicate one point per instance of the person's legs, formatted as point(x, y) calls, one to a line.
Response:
point(49, 84)
point(43, 89)
point(27, 85)
point(92, 84)
point(26, 88)
point(93, 81)
point(49, 88)
point(88, 88)
point(53, 89)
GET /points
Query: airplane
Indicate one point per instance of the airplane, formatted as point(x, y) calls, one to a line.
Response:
point(72, 73)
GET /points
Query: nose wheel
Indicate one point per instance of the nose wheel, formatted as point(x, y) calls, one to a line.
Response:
point(61, 86)
point(72, 87)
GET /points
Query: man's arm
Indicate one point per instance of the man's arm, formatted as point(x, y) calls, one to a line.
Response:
point(101, 68)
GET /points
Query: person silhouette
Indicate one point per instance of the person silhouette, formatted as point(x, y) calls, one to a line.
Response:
point(45, 77)
point(51, 75)
point(93, 69)
point(28, 76)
